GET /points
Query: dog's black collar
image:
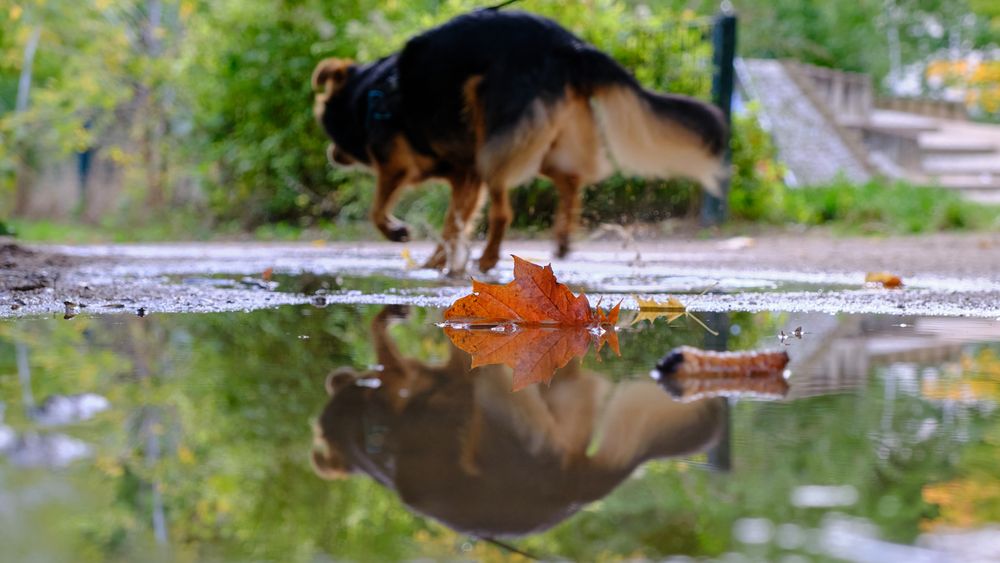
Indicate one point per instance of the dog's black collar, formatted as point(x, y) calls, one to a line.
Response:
point(380, 99)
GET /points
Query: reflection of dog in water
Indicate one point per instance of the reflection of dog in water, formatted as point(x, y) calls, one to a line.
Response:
point(458, 446)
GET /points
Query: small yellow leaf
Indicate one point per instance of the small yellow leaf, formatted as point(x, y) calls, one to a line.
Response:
point(651, 309)
point(672, 309)
point(411, 264)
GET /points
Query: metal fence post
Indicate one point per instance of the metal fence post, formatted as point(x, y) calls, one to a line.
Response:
point(714, 210)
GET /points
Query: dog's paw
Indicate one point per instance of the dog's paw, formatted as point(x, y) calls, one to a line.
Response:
point(438, 260)
point(454, 273)
point(397, 311)
point(398, 233)
point(562, 250)
point(486, 263)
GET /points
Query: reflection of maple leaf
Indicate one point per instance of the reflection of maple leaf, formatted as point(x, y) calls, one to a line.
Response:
point(689, 373)
point(533, 297)
point(533, 352)
point(885, 279)
point(672, 309)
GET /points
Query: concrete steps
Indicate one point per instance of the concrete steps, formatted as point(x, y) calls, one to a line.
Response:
point(970, 165)
point(812, 111)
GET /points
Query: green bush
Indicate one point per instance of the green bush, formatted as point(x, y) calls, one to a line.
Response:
point(880, 208)
point(757, 189)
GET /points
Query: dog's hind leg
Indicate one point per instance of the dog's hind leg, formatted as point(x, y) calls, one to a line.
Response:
point(508, 161)
point(568, 211)
point(500, 216)
point(575, 159)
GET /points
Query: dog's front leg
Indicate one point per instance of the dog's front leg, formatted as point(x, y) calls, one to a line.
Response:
point(387, 192)
point(395, 371)
point(500, 215)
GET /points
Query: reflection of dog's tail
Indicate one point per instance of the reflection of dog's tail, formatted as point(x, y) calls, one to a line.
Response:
point(651, 134)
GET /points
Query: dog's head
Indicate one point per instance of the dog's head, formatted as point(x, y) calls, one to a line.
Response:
point(328, 460)
point(329, 78)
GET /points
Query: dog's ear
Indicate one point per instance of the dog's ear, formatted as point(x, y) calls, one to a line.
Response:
point(339, 378)
point(330, 74)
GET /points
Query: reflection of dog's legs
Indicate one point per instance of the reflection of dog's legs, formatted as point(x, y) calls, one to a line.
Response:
point(394, 372)
point(500, 215)
point(568, 212)
point(574, 398)
point(387, 191)
point(466, 199)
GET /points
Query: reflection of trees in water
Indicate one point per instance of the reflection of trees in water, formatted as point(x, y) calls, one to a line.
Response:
point(229, 396)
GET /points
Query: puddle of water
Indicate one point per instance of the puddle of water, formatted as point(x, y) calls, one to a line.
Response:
point(360, 433)
point(425, 282)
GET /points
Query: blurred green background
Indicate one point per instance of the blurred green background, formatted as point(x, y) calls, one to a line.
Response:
point(195, 116)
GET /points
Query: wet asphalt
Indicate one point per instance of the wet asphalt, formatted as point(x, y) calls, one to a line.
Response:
point(943, 275)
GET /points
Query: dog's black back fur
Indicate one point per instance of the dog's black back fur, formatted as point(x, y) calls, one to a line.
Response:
point(521, 58)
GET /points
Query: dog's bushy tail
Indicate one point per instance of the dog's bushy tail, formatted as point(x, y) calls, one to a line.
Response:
point(651, 134)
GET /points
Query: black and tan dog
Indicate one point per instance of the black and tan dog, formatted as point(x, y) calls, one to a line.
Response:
point(457, 445)
point(494, 99)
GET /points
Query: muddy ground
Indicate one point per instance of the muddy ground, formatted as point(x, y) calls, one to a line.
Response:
point(953, 275)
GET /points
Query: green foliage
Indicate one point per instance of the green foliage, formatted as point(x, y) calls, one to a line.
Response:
point(757, 188)
point(879, 208)
point(855, 35)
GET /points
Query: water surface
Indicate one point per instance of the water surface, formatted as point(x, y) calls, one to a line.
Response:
point(360, 432)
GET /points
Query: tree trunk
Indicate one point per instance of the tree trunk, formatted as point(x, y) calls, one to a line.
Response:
point(24, 173)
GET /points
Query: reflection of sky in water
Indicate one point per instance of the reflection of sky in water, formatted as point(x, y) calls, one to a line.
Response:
point(195, 431)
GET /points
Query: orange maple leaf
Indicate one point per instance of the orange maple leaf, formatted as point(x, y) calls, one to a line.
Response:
point(533, 324)
point(534, 297)
point(534, 353)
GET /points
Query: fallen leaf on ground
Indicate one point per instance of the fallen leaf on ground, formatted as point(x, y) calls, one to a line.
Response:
point(411, 264)
point(689, 374)
point(651, 309)
point(534, 324)
point(533, 297)
point(672, 309)
point(534, 353)
point(885, 279)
